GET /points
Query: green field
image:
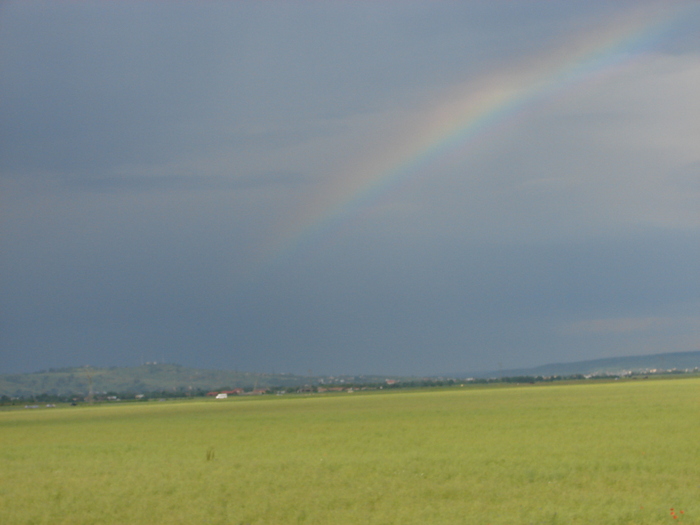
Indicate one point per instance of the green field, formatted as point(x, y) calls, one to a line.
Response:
point(600, 453)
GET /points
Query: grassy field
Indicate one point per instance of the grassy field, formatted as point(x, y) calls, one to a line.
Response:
point(606, 453)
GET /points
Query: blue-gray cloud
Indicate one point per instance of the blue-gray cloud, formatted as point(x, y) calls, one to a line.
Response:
point(192, 182)
point(150, 151)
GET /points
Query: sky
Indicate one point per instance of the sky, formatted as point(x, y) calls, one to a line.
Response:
point(348, 187)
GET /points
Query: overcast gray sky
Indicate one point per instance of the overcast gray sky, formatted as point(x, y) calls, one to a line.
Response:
point(416, 187)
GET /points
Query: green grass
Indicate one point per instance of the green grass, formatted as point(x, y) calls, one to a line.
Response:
point(613, 453)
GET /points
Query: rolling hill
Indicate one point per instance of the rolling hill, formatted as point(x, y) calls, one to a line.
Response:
point(175, 378)
point(610, 366)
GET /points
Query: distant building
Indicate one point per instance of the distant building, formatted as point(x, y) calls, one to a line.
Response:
point(234, 392)
point(257, 392)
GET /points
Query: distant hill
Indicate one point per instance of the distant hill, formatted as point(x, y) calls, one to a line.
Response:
point(612, 365)
point(152, 378)
point(175, 378)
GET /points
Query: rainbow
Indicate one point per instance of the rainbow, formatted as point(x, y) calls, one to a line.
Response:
point(476, 110)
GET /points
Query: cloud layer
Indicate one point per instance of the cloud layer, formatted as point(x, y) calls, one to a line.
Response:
point(169, 175)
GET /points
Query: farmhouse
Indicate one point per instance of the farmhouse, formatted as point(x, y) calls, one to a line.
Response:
point(255, 392)
point(234, 392)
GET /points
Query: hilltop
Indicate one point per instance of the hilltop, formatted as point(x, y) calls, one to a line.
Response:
point(157, 377)
point(154, 377)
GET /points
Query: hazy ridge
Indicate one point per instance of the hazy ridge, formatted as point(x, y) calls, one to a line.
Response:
point(612, 365)
point(153, 378)
point(171, 377)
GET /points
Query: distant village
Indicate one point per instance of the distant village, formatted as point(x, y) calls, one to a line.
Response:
point(329, 385)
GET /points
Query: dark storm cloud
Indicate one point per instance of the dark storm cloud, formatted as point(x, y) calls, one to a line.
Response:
point(149, 152)
point(92, 86)
point(184, 183)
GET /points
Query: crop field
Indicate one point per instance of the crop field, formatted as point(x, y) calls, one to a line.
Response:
point(601, 453)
